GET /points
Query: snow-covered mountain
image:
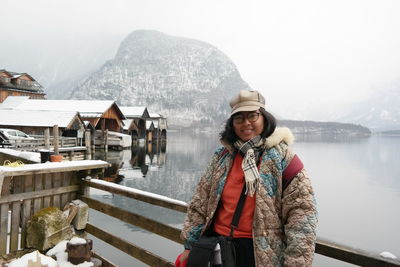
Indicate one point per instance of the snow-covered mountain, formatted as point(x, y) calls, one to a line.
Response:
point(186, 80)
point(380, 112)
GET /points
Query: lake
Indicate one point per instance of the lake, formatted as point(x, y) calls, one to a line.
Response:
point(357, 185)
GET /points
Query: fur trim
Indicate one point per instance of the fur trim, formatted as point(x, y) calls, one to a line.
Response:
point(280, 134)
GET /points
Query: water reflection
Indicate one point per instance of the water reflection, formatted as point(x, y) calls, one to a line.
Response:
point(139, 159)
point(329, 138)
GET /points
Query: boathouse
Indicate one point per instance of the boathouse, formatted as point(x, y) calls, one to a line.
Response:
point(34, 122)
point(102, 114)
point(135, 122)
point(150, 129)
point(160, 126)
point(19, 84)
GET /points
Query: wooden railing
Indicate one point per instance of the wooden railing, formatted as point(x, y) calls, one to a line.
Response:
point(323, 247)
point(27, 189)
point(39, 142)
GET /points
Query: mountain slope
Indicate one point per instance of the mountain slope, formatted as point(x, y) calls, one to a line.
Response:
point(381, 112)
point(186, 80)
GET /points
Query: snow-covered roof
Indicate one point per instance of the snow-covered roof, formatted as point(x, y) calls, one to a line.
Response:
point(155, 123)
point(13, 101)
point(17, 75)
point(133, 111)
point(82, 106)
point(155, 115)
point(127, 123)
point(90, 115)
point(38, 118)
point(148, 124)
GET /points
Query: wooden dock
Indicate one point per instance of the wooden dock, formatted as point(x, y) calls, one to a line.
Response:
point(29, 188)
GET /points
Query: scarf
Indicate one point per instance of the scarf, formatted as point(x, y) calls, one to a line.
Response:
point(250, 151)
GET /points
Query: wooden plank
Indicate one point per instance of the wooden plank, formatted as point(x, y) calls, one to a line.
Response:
point(105, 262)
point(5, 189)
point(66, 181)
point(141, 197)
point(150, 225)
point(15, 219)
point(3, 228)
point(26, 215)
point(38, 186)
point(353, 256)
point(39, 194)
point(57, 181)
point(26, 209)
point(55, 167)
point(18, 184)
point(28, 183)
point(48, 184)
point(137, 252)
point(75, 181)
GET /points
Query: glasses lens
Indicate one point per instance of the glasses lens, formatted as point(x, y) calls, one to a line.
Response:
point(238, 119)
point(253, 116)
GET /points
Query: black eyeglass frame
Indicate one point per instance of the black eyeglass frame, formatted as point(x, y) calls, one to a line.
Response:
point(239, 118)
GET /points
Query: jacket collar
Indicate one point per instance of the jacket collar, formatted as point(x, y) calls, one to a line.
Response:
point(280, 134)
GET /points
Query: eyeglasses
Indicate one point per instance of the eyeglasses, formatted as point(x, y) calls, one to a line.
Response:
point(251, 117)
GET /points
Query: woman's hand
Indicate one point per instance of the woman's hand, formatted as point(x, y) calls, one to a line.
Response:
point(184, 255)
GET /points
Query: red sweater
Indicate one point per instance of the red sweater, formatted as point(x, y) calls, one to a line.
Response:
point(229, 199)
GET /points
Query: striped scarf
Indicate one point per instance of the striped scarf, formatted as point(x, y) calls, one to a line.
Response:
point(250, 151)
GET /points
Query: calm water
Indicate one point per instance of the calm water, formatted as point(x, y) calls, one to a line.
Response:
point(357, 184)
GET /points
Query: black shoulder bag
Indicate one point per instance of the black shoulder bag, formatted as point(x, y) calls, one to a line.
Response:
point(202, 253)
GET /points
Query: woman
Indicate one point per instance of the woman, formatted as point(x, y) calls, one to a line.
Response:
point(279, 218)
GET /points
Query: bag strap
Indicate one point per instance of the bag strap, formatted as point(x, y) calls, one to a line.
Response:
point(238, 211)
point(240, 204)
point(294, 167)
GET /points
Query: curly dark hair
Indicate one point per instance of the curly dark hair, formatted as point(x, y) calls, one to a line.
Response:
point(228, 134)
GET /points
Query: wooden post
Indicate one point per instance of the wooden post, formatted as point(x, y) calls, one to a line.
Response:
point(106, 140)
point(93, 139)
point(55, 139)
point(88, 145)
point(47, 138)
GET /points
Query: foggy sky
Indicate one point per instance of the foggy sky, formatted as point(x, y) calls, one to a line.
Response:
point(297, 53)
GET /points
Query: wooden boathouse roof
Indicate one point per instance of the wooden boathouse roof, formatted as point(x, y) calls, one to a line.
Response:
point(39, 118)
point(155, 116)
point(150, 125)
point(86, 108)
point(102, 114)
point(128, 124)
point(135, 112)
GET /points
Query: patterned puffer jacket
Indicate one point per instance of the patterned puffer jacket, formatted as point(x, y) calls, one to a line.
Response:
point(284, 223)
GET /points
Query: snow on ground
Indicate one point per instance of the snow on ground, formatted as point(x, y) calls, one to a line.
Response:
point(139, 192)
point(55, 165)
point(23, 261)
point(32, 156)
point(59, 251)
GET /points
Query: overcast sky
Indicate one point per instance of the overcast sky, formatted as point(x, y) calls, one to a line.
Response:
point(322, 53)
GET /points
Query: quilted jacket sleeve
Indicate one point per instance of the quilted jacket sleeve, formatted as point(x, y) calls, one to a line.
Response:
point(196, 215)
point(299, 215)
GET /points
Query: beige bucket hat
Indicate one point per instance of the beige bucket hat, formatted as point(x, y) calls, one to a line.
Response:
point(247, 101)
